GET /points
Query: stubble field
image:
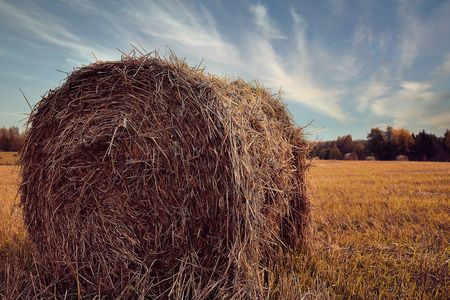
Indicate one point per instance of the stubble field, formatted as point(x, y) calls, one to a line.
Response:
point(8, 158)
point(382, 231)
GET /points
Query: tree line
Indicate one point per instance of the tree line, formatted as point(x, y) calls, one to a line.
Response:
point(11, 139)
point(387, 145)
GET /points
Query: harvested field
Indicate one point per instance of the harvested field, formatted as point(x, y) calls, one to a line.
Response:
point(383, 229)
point(8, 158)
point(10, 218)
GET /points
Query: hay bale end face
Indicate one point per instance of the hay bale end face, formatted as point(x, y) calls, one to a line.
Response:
point(350, 156)
point(144, 172)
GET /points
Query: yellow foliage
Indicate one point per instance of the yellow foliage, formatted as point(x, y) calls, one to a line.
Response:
point(403, 139)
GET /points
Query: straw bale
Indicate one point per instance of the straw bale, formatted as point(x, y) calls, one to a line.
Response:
point(371, 158)
point(146, 177)
point(350, 156)
point(401, 158)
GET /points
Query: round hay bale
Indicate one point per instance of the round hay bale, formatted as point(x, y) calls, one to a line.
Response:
point(401, 158)
point(350, 156)
point(146, 175)
point(370, 158)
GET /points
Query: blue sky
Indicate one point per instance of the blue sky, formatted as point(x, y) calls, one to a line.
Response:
point(347, 66)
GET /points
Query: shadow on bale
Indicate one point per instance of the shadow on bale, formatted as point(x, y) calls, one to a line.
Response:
point(146, 177)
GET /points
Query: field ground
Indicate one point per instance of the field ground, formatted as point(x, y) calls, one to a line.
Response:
point(383, 229)
point(382, 232)
point(8, 158)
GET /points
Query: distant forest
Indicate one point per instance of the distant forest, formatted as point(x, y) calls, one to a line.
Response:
point(11, 139)
point(387, 145)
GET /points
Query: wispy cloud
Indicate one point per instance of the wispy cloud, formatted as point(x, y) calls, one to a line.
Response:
point(337, 6)
point(295, 77)
point(38, 24)
point(373, 91)
point(182, 26)
point(422, 34)
point(41, 24)
point(378, 86)
point(362, 35)
point(296, 86)
point(439, 121)
point(414, 103)
point(388, 93)
point(264, 23)
point(444, 68)
point(85, 6)
point(412, 33)
point(193, 29)
point(20, 75)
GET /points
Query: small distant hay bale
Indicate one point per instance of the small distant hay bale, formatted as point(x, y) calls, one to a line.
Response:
point(370, 158)
point(148, 174)
point(401, 158)
point(350, 156)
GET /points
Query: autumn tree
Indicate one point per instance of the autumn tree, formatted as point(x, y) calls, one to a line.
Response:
point(403, 140)
point(345, 144)
point(10, 139)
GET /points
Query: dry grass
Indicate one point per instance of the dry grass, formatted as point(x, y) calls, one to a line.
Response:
point(8, 158)
point(15, 252)
point(383, 233)
point(11, 223)
point(383, 230)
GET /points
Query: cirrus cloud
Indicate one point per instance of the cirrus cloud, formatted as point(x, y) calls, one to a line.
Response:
point(415, 103)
